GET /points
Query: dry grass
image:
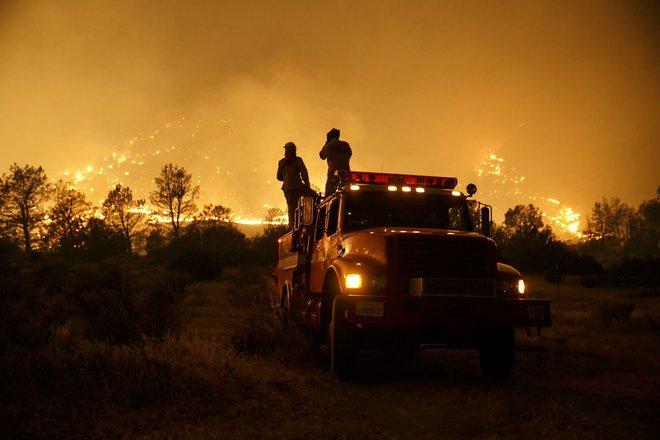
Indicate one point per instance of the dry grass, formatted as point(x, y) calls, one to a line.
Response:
point(235, 374)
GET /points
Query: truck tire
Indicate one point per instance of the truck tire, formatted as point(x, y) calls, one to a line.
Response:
point(343, 342)
point(496, 353)
point(331, 290)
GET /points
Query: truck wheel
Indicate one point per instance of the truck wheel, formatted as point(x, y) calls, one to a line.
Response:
point(331, 290)
point(343, 342)
point(496, 353)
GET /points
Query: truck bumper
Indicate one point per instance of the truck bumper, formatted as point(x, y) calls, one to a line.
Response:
point(443, 312)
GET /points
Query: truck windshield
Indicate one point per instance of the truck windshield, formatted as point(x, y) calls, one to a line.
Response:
point(367, 209)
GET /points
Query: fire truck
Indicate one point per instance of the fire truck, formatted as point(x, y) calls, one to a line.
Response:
point(402, 262)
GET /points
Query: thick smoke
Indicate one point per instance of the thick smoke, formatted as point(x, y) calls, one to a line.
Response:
point(566, 91)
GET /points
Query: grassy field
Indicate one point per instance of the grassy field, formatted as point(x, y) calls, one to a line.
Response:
point(233, 373)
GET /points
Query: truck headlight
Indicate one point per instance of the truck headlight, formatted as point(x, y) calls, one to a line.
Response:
point(353, 281)
point(511, 287)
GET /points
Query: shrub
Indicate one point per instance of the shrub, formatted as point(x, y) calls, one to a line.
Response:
point(116, 300)
point(591, 281)
point(637, 272)
point(102, 242)
point(248, 285)
point(195, 262)
point(614, 313)
point(264, 247)
point(259, 333)
point(553, 276)
point(138, 375)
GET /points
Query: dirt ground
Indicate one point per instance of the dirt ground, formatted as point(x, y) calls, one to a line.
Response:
point(593, 375)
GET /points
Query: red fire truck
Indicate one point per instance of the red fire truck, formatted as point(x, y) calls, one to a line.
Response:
point(401, 261)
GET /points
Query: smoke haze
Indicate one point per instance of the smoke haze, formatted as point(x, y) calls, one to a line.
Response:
point(566, 92)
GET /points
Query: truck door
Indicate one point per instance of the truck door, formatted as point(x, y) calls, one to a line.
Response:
point(318, 251)
point(333, 233)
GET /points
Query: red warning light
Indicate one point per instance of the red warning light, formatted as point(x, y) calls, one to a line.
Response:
point(397, 179)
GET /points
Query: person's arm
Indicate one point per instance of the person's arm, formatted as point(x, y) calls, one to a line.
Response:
point(324, 151)
point(303, 173)
point(280, 170)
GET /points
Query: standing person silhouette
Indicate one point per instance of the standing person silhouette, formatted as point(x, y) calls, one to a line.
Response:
point(338, 153)
point(292, 172)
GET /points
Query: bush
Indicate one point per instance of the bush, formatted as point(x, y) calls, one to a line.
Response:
point(637, 272)
point(264, 247)
point(203, 251)
point(591, 281)
point(259, 333)
point(248, 285)
point(195, 262)
point(116, 300)
point(576, 263)
point(131, 376)
point(614, 313)
point(553, 276)
point(102, 242)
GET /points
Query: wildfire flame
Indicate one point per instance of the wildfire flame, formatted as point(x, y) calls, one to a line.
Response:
point(501, 182)
point(136, 162)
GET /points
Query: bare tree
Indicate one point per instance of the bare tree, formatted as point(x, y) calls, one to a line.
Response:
point(598, 222)
point(67, 216)
point(123, 213)
point(611, 218)
point(214, 215)
point(25, 190)
point(175, 195)
point(621, 220)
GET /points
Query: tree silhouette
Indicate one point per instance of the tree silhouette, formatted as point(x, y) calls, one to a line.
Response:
point(524, 240)
point(5, 230)
point(611, 219)
point(102, 241)
point(67, 216)
point(524, 221)
point(644, 239)
point(214, 215)
point(264, 246)
point(24, 191)
point(175, 195)
point(123, 213)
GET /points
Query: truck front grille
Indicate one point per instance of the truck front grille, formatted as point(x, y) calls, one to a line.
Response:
point(445, 257)
point(451, 287)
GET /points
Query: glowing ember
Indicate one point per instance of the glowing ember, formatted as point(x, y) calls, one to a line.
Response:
point(500, 182)
point(138, 161)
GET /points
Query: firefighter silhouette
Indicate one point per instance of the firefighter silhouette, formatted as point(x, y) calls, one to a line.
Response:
point(292, 172)
point(338, 153)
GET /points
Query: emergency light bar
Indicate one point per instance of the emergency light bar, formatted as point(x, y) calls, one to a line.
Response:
point(396, 179)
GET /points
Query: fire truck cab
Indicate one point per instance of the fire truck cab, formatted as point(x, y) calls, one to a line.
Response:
point(401, 262)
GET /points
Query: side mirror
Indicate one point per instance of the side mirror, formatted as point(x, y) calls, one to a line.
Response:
point(306, 205)
point(471, 189)
point(485, 221)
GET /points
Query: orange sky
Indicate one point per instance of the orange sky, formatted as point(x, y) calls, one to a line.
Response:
point(567, 92)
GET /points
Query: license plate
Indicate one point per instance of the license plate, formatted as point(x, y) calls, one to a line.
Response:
point(375, 309)
point(536, 313)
